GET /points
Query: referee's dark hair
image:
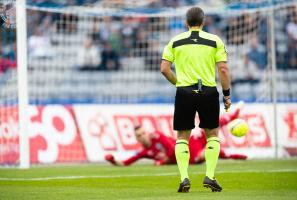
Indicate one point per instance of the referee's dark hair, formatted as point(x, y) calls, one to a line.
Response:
point(195, 16)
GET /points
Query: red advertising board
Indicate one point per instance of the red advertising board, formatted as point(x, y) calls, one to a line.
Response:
point(83, 133)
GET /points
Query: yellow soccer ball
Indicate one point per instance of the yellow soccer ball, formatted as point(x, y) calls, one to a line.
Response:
point(238, 127)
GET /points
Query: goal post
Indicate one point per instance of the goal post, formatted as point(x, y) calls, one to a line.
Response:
point(273, 75)
point(22, 83)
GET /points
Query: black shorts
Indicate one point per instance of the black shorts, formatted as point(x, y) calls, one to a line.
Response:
point(188, 102)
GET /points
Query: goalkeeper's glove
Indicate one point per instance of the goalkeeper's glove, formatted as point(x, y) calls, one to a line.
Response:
point(110, 159)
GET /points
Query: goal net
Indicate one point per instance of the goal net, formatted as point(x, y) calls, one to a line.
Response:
point(108, 52)
point(112, 55)
point(9, 144)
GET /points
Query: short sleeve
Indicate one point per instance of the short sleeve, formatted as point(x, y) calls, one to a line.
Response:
point(221, 53)
point(168, 52)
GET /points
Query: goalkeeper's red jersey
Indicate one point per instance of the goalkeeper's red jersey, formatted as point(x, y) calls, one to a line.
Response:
point(163, 144)
point(159, 144)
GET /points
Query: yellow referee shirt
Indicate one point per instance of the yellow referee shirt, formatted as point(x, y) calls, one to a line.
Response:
point(195, 54)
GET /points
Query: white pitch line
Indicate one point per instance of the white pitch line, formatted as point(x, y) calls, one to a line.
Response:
point(141, 175)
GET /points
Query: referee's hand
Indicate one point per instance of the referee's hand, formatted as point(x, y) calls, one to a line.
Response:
point(227, 102)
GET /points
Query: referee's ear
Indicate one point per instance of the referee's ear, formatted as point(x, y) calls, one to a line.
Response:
point(201, 26)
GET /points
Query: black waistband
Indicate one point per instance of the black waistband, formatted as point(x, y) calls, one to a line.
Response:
point(196, 85)
point(194, 88)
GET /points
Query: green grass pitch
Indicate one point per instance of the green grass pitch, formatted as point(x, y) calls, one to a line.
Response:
point(241, 180)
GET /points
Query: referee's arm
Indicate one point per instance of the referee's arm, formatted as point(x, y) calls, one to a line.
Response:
point(224, 77)
point(167, 72)
point(223, 71)
point(167, 60)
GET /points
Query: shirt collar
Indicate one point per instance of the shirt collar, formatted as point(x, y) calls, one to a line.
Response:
point(195, 29)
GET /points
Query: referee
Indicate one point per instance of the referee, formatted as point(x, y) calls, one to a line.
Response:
point(196, 54)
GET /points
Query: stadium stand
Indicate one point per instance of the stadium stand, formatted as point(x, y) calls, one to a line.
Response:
point(123, 65)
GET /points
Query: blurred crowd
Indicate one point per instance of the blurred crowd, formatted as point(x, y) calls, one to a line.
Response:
point(121, 3)
point(7, 37)
point(72, 45)
point(8, 50)
point(107, 40)
point(103, 42)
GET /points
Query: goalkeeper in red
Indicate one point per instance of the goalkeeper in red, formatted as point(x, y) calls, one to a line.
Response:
point(196, 55)
point(160, 148)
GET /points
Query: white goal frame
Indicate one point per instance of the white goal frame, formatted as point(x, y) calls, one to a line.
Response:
point(22, 83)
